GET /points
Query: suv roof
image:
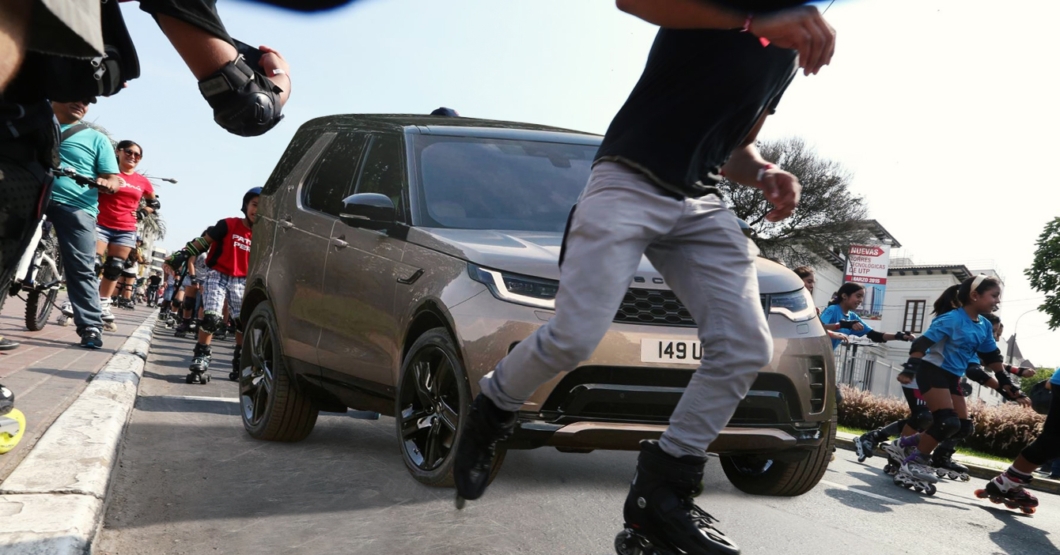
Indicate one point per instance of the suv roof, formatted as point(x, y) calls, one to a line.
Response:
point(398, 122)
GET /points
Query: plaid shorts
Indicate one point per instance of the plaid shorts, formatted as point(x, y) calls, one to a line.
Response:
point(216, 286)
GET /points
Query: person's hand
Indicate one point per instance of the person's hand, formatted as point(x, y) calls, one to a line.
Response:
point(110, 184)
point(273, 65)
point(857, 326)
point(905, 378)
point(782, 190)
point(1026, 372)
point(801, 28)
point(1024, 401)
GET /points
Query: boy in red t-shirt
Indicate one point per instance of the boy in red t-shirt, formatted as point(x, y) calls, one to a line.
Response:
point(227, 245)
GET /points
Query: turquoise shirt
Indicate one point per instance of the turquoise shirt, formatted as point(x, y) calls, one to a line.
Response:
point(90, 153)
point(833, 315)
point(957, 339)
point(1055, 380)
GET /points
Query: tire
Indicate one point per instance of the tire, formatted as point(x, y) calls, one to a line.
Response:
point(38, 304)
point(760, 476)
point(270, 405)
point(429, 419)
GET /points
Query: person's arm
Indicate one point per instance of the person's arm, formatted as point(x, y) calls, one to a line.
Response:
point(799, 28)
point(747, 167)
point(204, 53)
point(15, 18)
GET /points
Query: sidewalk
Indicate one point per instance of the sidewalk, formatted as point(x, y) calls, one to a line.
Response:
point(978, 468)
point(49, 370)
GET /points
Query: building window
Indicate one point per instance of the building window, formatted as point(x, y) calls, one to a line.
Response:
point(914, 316)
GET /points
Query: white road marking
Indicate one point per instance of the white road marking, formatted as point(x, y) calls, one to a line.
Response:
point(860, 492)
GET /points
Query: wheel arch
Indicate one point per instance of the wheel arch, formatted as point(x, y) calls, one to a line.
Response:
point(429, 315)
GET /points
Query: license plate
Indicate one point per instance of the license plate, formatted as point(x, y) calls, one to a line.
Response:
point(671, 350)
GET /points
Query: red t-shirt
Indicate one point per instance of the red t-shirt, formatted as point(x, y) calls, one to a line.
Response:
point(118, 211)
point(230, 251)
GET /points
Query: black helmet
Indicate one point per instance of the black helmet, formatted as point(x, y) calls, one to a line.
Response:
point(252, 193)
point(447, 112)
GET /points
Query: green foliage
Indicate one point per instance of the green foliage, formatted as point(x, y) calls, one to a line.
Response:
point(1044, 273)
point(1002, 431)
point(1040, 375)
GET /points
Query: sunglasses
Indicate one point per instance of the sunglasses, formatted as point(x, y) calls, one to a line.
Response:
point(132, 153)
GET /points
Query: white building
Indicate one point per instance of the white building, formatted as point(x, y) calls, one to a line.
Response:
point(911, 292)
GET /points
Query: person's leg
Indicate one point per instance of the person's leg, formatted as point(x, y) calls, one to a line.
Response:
point(617, 216)
point(1010, 486)
point(233, 307)
point(76, 231)
point(213, 296)
point(708, 262)
point(113, 264)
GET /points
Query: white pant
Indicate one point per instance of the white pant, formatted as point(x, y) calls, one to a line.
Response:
point(698, 247)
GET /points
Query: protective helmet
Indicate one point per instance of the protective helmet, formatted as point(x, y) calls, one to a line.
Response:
point(253, 192)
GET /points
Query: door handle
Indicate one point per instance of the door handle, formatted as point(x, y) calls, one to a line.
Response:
point(286, 223)
point(339, 243)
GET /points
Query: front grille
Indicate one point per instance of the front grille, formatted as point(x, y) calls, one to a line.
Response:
point(653, 307)
point(817, 385)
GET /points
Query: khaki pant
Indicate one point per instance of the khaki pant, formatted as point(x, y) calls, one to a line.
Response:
point(698, 247)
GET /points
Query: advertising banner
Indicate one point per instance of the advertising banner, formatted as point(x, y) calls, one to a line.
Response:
point(867, 265)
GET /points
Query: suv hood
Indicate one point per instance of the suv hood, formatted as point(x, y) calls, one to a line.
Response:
point(536, 253)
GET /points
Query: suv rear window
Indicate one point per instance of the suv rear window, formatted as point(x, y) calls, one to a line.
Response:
point(484, 183)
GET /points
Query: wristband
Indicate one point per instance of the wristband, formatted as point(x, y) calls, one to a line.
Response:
point(747, 23)
point(847, 324)
point(763, 170)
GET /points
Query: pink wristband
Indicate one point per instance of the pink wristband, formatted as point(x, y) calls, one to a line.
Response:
point(763, 170)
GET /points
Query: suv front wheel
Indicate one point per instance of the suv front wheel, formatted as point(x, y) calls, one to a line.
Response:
point(272, 408)
point(433, 400)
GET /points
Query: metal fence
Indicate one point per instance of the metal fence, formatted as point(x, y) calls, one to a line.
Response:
point(867, 368)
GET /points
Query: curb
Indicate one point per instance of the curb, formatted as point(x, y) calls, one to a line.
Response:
point(975, 469)
point(53, 502)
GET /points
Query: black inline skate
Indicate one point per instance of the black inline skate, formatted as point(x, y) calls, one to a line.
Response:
point(12, 421)
point(200, 365)
point(1010, 490)
point(183, 329)
point(660, 516)
point(865, 445)
point(946, 467)
point(486, 426)
point(236, 361)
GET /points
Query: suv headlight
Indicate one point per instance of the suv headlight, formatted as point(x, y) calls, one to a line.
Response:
point(796, 306)
point(515, 288)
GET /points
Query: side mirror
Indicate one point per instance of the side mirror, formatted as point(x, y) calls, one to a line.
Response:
point(369, 211)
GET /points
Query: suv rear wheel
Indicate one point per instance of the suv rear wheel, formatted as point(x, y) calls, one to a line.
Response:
point(272, 408)
point(758, 475)
point(433, 400)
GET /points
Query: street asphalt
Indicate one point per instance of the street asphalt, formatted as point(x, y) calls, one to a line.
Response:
point(190, 481)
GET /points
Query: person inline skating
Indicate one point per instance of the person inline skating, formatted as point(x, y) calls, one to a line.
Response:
point(227, 248)
point(940, 358)
point(708, 86)
point(154, 282)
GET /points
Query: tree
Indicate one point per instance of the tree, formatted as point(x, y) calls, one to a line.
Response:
point(829, 215)
point(1044, 273)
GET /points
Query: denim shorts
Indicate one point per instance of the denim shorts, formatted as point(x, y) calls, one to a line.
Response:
point(115, 237)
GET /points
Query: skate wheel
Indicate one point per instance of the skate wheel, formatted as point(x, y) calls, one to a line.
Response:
point(626, 543)
point(981, 494)
point(1012, 504)
point(1028, 510)
point(460, 502)
point(190, 378)
point(233, 376)
point(205, 378)
point(8, 441)
point(930, 490)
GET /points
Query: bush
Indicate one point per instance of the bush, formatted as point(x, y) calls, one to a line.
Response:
point(1040, 375)
point(1002, 430)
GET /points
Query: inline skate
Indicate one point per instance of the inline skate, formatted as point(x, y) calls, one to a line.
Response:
point(200, 365)
point(1010, 489)
point(946, 467)
point(660, 516)
point(914, 471)
point(12, 421)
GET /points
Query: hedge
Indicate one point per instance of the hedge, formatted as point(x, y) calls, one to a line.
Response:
point(1002, 430)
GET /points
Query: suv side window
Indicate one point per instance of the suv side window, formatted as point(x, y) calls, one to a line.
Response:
point(384, 171)
point(332, 178)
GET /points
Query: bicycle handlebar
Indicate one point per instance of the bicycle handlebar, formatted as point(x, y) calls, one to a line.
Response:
point(79, 179)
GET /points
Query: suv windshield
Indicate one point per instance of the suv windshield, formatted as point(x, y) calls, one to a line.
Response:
point(509, 184)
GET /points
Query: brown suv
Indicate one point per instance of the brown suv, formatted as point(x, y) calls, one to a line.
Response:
point(397, 258)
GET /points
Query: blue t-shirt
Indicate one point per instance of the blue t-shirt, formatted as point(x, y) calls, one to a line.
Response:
point(90, 153)
point(833, 314)
point(1055, 380)
point(957, 340)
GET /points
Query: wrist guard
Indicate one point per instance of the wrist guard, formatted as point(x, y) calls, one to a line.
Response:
point(244, 101)
point(910, 367)
point(154, 204)
point(902, 335)
point(847, 324)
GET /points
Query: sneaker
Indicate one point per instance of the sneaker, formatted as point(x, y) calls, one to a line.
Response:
point(104, 305)
point(91, 338)
point(6, 344)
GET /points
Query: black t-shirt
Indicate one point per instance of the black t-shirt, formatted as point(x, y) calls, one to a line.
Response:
point(701, 93)
point(200, 13)
point(155, 281)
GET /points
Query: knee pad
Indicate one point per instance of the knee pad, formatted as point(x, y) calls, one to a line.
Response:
point(210, 323)
point(967, 427)
point(921, 419)
point(188, 304)
point(1043, 449)
point(946, 423)
point(112, 268)
point(99, 264)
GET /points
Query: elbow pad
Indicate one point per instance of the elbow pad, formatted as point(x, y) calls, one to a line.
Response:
point(197, 246)
point(921, 345)
point(244, 102)
point(977, 374)
point(876, 336)
point(991, 358)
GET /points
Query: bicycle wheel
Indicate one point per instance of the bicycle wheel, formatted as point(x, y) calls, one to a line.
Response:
point(39, 303)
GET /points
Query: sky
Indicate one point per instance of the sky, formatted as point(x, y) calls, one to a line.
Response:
point(941, 109)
